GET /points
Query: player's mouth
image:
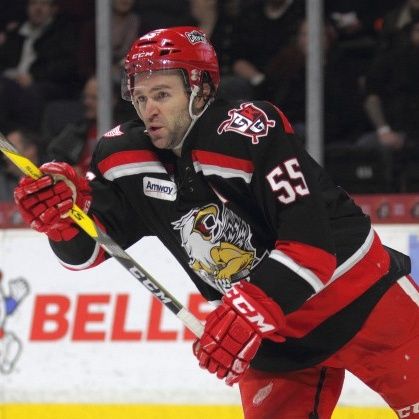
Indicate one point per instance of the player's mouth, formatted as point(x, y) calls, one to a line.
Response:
point(154, 129)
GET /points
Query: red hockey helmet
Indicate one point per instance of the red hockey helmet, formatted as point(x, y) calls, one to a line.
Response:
point(184, 48)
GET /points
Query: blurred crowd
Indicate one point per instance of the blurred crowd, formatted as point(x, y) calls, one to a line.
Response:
point(48, 89)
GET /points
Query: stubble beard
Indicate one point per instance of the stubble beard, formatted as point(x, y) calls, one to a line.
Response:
point(179, 130)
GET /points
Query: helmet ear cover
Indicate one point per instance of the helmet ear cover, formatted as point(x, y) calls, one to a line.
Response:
point(206, 79)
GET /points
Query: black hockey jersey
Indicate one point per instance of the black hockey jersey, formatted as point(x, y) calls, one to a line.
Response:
point(245, 201)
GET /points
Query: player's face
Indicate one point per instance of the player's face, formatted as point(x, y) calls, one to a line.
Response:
point(162, 103)
point(40, 11)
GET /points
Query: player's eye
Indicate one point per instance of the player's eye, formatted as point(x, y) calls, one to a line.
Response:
point(140, 99)
point(162, 94)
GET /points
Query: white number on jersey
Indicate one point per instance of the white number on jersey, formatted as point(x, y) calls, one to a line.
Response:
point(280, 181)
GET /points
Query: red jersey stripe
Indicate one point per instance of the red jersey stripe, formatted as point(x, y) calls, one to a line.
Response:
point(337, 295)
point(318, 261)
point(286, 124)
point(127, 157)
point(221, 160)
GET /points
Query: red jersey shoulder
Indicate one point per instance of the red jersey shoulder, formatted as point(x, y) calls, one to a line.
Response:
point(129, 152)
point(129, 135)
point(254, 120)
point(285, 122)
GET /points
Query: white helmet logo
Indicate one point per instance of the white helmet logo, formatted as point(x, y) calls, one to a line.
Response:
point(195, 37)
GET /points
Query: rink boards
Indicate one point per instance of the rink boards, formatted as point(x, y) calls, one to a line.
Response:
point(95, 344)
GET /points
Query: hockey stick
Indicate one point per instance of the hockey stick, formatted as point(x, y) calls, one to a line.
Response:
point(112, 248)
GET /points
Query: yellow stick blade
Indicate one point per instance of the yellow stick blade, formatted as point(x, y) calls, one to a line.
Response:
point(84, 221)
point(24, 164)
point(29, 169)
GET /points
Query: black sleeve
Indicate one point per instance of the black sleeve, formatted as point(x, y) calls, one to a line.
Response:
point(289, 195)
point(112, 212)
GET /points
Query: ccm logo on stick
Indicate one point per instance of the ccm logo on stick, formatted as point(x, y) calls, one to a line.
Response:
point(149, 285)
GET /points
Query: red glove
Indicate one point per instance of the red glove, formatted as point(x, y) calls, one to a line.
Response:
point(44, 203)
point(234, 331)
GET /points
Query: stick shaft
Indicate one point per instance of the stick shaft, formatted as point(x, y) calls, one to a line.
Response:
point(111, 247)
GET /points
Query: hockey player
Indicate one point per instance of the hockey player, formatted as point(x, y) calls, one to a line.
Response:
point(305, 288)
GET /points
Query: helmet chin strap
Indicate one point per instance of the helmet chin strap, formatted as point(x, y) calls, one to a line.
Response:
point(194, 118)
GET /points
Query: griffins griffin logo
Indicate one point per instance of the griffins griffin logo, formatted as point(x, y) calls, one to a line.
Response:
point(218, 244)
point(247, 120)
point(195, 37)
point(10, 344)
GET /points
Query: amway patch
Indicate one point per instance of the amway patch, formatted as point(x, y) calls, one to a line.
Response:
point(159, 188)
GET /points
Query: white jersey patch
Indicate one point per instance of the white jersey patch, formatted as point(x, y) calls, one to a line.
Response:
point(159, 188)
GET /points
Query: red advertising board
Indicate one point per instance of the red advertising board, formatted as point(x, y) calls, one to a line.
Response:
point(390, 208)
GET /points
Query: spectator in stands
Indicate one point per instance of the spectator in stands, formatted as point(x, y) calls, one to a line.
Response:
point(26, 142)
point(395, 21)
point(37, 64)
point(163, 14)
point(353, 22)
point(217, 19)
point(205, 12)
point(125, 28)
point(392, 105)
point(222, 33)
point(372, 13)
point(12, 15)
point(285, 85)
point(79, 11)
point(261, 32)
point(75, 143)
point(392, 93)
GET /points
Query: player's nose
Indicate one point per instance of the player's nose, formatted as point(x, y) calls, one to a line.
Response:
point(151, 109)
